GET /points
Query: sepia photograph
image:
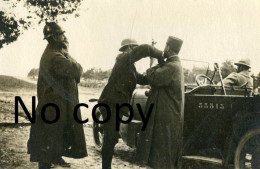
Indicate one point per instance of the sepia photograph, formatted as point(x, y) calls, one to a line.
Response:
point(139, 84)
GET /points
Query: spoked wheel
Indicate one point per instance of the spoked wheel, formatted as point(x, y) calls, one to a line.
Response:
point(247, 155)
point(98, 133)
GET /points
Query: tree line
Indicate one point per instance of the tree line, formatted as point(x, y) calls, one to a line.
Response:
point(189, 75)
point(226, 68)
point(92, 73)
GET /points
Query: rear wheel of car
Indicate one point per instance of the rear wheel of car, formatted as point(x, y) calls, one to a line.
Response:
point(98, 134)
point(247, 154)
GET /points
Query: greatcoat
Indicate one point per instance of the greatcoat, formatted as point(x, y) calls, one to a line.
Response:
point(160, 144)
point(59, 74)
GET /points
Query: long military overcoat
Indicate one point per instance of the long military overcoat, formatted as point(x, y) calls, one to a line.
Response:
point(160, 144)
point(59, 74)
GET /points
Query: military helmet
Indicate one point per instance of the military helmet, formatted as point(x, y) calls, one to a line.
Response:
point(246, 62)
point(51, 28)
point(174, 43)
point(127, 42)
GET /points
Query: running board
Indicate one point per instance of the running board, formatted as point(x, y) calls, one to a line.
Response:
point(203, 159)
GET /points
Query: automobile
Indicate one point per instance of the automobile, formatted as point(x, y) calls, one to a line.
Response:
point(221, 123)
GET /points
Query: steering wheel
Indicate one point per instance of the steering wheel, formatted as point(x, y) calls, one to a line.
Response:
point(201, 82)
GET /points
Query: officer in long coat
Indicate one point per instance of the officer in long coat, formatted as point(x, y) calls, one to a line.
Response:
point(59, 75)
point(160, 144)
point(241, 76)
point(119, 90)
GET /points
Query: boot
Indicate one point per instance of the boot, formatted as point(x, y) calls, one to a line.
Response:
point(61, 162)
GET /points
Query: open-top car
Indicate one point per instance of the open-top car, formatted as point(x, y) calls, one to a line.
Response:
point(219, 123)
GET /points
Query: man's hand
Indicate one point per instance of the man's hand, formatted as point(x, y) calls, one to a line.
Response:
point(151, 70)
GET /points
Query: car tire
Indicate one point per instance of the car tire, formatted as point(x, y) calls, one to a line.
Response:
point(247, 154)
point(98, 134)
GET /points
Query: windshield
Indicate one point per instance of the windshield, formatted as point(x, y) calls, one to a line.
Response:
point(192, 68)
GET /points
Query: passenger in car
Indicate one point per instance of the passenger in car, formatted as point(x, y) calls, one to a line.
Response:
point(241, 76)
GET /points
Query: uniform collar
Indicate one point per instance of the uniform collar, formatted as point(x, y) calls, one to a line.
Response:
point(173, 58)
point(57, 48)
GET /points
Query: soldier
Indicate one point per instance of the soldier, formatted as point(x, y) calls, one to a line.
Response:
point(238, 78)
point(241, 76)
point(59, 75)
point(119, 90)
point(160, 144)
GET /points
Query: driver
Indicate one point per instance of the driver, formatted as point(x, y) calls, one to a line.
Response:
point(241, 76)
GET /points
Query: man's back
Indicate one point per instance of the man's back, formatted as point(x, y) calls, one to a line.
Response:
point(124, 76)
point(122, 81)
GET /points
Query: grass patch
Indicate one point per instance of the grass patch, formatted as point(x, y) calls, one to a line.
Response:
point(8, 83)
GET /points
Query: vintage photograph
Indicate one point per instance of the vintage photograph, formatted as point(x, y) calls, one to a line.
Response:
point(142, 84)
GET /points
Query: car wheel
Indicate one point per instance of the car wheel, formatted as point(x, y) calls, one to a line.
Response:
point(247, 154)
point(98, 133)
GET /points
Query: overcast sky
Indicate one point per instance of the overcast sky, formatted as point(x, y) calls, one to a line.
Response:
point(212, 31)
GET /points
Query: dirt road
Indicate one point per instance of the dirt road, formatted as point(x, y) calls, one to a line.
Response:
point(13, 151)
point(13, 139)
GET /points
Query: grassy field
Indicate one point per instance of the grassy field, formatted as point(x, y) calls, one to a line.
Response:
point(8, 83)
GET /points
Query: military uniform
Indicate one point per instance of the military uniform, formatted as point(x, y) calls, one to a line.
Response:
point(160, 144)
point(59, 74)
point(119, 90)
point(238, 79)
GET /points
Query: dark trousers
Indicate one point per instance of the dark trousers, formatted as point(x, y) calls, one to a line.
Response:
point(110, 138)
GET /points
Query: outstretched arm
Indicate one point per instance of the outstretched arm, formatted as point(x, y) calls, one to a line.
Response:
point(143, 51)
